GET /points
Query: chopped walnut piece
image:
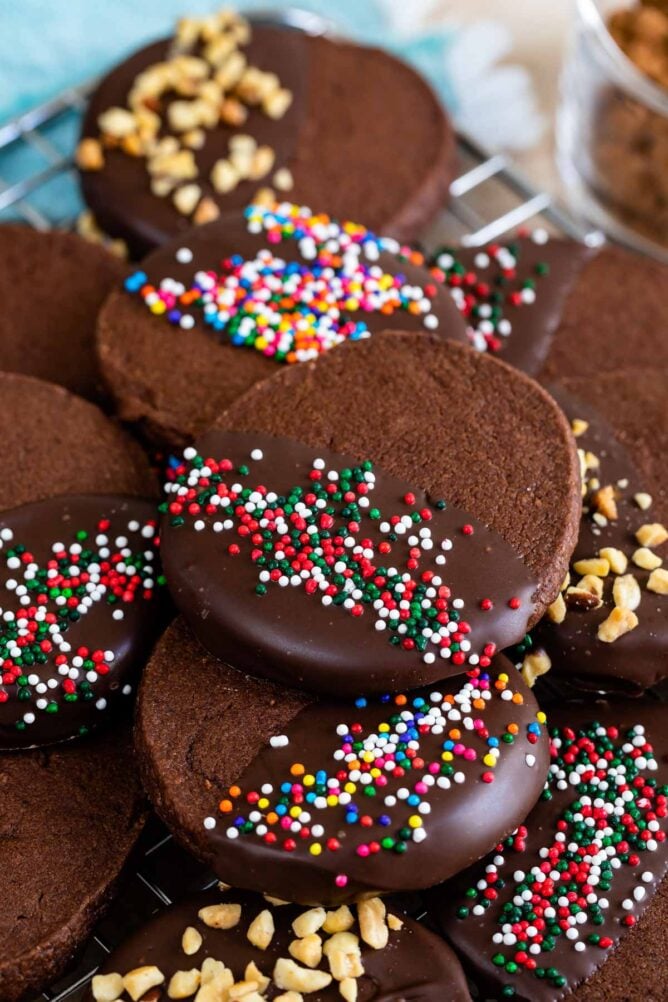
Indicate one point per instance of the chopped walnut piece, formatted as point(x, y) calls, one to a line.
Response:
point(594, 565)
point(658, 581)
point(183, 984)
point(643, 500)
point(107, 987)
point(604, 500)
point(643, 557)
point(579, 426)
point(340, 920)
point(373, 927)
point(344, 955)
point(223, 916)
point(626, 592)
point(191, 941)
point(308, 950)
point(618, 561)
point(652, 534)
point(90, 155)
point(261, 930)
point(289, 975)
point(137, 982)
point(619, 622)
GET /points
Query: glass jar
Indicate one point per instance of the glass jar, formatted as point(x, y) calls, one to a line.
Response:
point(612, 135)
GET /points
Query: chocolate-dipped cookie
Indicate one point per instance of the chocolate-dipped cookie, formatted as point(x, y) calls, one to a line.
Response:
point(210, 314)
point(277, 952)
point(538, 919)
point(608, 629)
point(364, 524)
point(68, 819)
point(52, 286)
point(79, 577)
point(317, 800)
point(199, 123)
point(550, 306)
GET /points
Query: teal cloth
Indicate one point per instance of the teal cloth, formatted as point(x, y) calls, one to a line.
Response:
point(49, 45)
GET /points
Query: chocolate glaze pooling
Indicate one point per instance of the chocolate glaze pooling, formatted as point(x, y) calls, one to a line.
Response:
point(291, 636)
point(470, 800)
point(415, 966)
point(638, 659)
point(37, 527)
point(472, 936)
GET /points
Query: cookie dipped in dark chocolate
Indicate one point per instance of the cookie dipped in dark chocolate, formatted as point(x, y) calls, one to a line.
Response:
point(314, 569)
point(414, 964)
point(80, 608)
point(381, 794)
point(577, 646)
point(541, 915)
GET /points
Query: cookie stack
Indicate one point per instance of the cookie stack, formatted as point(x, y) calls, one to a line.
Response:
point(419, 603)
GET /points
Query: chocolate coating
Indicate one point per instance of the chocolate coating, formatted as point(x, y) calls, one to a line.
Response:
point(638, 659)
point(203, 728)
point(349, 139)
point(415, 966)
point(289, 634)
point(472, 936)
point(175, 382)
point(68, 693)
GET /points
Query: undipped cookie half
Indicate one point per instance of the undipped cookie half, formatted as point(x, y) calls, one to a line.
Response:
point(225, 306)
point(241, 941)
point(317, 801)
point(384, 518)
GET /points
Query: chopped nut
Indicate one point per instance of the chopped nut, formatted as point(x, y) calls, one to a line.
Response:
point(644, 558)
point(592, 461)
point(183, 984)
point(90, 155)
point(224, 176)
point(243, 990)
point(137, 982)
point(373, 927)
point(219, 49)
point(619, 622)
point(253, 973)
point(231, 71)
point(618, 561)
point(308, 922)
point(107, 987)
point(255, 85)
point(534, 665)
point(556, 612)
point(344, 955)
point(339, 920)
point(191, 941)
point(184, 115)
point(582, 600)
point(287, 974)
point(233, 112)
point(261, 930)
point(206, 212)
point(594, 565)
point(117, 122)
point(215, 972)
point(223, 916)
point(265, 197)
point(132, 145)
point(643, 500)
point(658, 581)
point(275, 901)
point(626, 592)
point(652, 534)
point(348, 989)
point(290, 997)
point(604, 500)
point(276, 104)
point(163, 186)
point(261, 163)
point(591, 584)
point(186, 198)
point(194, 139)
point(283, 179)
point(179, 165)
point(579, 426)
point(307, 950)
point(395, 923)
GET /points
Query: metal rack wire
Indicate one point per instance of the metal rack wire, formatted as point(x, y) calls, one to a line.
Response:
point(37, 176)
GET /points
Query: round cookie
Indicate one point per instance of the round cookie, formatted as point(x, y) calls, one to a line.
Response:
point(584, 879)
point(338, 125)
point(316, 801)
point(609, 628)
point(398, 959)
point(69, 818)
point(52, 286)
point(552, 306)
point(457, 511)
point(79, 584)
point(288, 285)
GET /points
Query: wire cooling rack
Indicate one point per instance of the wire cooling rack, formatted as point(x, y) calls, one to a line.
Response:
point(38, 185)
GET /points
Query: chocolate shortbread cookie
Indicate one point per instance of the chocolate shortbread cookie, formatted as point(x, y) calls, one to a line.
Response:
point(196, 124)
point(242, 941)
point(317, 801)
point(52, 286)
point(381, 519)
point(68, 819)
point(207, 316)
point(554, 306)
